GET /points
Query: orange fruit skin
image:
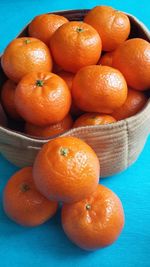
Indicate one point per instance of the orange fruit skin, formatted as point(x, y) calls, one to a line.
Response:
point(24, 55)
point(51, 130)
point(112, 25)
point(94, 222)
point(43, 26)
point(106, 87)
point(75, 45)
point(66, 169)
point(132, 58)
point(7, 97)
point(23, 203)
point(134, 103)
point(42, 105)
point(68, 78)
point(93, 119)
point(106, 59)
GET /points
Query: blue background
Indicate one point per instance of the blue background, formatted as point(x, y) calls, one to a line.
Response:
point(47, 245)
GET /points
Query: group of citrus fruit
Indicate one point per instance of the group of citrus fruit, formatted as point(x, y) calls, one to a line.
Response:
point(70, 74)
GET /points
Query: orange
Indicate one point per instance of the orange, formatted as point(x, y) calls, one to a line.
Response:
point(42, 98)
point(112, 25)
point(134, 103)
point(93, 119)
point(43, 26)
point(3, 118)
point(106, 59)
point(75, 45)
point(68, 78)
point(7, 97)
point(51, 130)
point(99, 89)
point(132, 58)
point(94, 222)
point(23, 203)
point(66, 169)
point(24, 55)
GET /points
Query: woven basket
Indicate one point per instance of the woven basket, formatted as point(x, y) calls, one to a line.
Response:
point(117, 145)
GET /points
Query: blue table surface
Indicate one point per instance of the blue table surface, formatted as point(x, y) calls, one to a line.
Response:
point(47, 245)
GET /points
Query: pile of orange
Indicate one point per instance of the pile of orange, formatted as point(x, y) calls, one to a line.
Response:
point(68, 74)
point(66, 170)
point(67, 69)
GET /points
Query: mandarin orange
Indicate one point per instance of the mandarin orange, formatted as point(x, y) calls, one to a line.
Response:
point(93, 119)
point(112, 25)
point(43, 26)
point(94, 222)
point(23, 203)
point(66, 169)
point(24, 55)
point(99, 89)
point(75, 45)
point(132, 58)
point(42, 98)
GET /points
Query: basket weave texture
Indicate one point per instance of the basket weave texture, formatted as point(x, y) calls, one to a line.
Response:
point(117, 145)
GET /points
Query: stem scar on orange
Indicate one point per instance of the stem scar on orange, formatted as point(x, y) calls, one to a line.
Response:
point(75, 45)
point(42, 98)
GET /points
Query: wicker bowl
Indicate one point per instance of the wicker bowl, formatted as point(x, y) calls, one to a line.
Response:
point(117, 145)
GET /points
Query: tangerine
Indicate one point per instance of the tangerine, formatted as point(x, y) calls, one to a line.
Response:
point(24, 55)
point(23, 203)
point(94, 222)
point(75, 45)
point(42, 98)
point(112, 25)
point(66, 169)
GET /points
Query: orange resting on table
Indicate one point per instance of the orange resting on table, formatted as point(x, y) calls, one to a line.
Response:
point(8, 99)
point(23, 203)
point(75, 45)
point(24, 55)
point(66, 169)
point(51, 130)
point(112, 25)
point(43, 26)
point(42, 98)
point(106, 87)
point(95, 221)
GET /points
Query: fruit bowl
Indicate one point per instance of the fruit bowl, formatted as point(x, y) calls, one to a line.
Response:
point(117, 145)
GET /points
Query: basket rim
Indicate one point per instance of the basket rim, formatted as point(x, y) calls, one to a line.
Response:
point(95, 127)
